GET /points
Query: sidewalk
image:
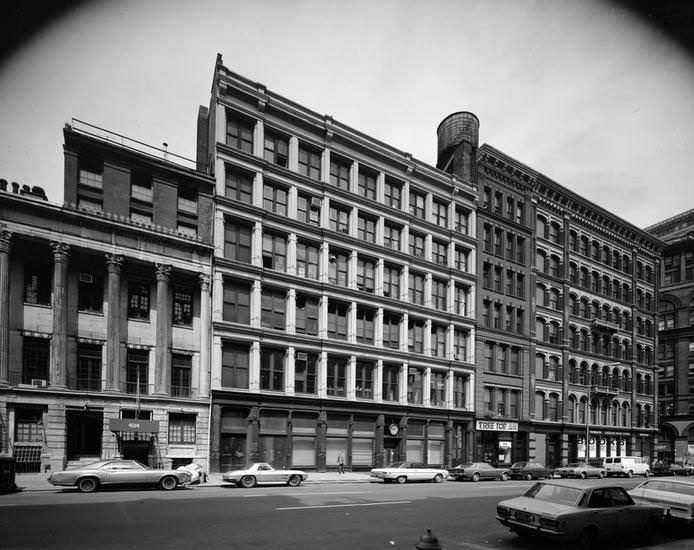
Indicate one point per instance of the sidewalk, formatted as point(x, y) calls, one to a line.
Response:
point(38, 482)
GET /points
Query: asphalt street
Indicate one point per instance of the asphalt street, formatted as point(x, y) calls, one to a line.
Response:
point(336, 517)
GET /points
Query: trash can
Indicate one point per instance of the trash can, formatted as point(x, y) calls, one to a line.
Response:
point(7, 473)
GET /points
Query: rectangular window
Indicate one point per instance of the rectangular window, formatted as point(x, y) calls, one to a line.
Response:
point(339, 173)
point(391, 330)
point(235, 360)
point(459, 391)
point(415, 383)
point(366, 229)
point(137, 371)
point(393, 193)
point(337, 367)
point(274, 251)
point(305, 369)
point(367, 184)
point(390, 386)
point(88, 367)
point(237, 301)
point(239, 133)
point(365, 275)
point(416, 245)
point(416, 288)
point(439, 252)
point(437, 389)
point(90, 291)
point(438, 341)
point(461, 258)
point(415, 335)
point(238, 185)
point(337, 320)
point(391, 236)
point(461, 295)
point(273, 305)
point(417, 201)
point(337, 268)
point(365, 325)
point(513, 410)
point(180, 375)
point(462, 219)
point(363, 383)
point(307, 261)
point(276, 149)
point(138, 300)
point(181, 429)
point(308, 209)
point(391, 281)
point(275, 199)
point(439, 292)
point(237, 241)
point(460, 338)
point(307, 315)
point(272, 369)
point(91, 178)
point(439, 213)
point(339, 219)
point(182, 306)
point(37, 283)
point(309, 162)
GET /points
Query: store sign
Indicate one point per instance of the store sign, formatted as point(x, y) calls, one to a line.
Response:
point(133, 425)
point(494, 426)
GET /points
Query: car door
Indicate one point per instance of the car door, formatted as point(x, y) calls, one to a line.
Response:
point(603, 512)
point(629, 517)
point(264, 474)
point(126, 472)
point(417, 472)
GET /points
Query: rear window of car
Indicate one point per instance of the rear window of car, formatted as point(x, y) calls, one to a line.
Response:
point(554, 493)
point(658, 485)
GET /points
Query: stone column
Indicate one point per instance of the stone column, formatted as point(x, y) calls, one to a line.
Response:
point(204, 381)
point(114, 263)
point(5, 237)
point(58, 367)
point(162, 358)
point(215, 434)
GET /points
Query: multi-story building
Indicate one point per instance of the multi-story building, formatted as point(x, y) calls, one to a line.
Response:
point(676, 338)
point(566, 311)
point(344, 291)
point(104, 308)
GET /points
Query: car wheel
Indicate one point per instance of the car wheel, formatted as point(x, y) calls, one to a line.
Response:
point(87, 484)
point(438, 478)
point(504, 477)
point(294, 481)
point(601, 475)
point(647, 473)
point(168, 483)
point(475, 477)
point(630, 474)
point(247, 482)
point(585, 540)
point(582, 475)
point(529, 477)
point(401, 479)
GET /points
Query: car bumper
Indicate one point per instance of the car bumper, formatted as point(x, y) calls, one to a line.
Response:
point(532, 529)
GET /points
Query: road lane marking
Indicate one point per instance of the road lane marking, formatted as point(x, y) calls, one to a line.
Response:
point(345, 505)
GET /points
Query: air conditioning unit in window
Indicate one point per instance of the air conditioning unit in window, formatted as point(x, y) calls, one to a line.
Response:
point(315, 203)
point(39, 382)
point(344, 230)
point(86, 278)
point(301, 356)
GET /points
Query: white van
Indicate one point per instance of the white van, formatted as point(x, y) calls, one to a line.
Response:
point(626, 466)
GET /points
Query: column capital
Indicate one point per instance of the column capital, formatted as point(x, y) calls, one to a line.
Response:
point(5, 238)
point(114, 262)
point(163, 272)
point(204, 280)
point(61, 251)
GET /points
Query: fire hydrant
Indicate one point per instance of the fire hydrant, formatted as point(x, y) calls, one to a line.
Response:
point(428, 542)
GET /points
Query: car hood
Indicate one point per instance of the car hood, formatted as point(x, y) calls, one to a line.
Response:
point(536, 506)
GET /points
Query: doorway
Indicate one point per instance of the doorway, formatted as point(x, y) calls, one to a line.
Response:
point(84, 434)
point(136, 450)
point(391, 450)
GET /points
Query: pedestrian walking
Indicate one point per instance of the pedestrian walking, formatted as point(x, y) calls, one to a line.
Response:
point(340, 463)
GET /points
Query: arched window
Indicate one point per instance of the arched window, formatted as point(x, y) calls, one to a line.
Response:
point(554, 266)
point(554, 232)
point(625, 415)
point(582, 410)
point(541, 260)
point(541, 227)
point(539, 366)
point(540, 412)
point(605, 376)
point(574, 305)
point(553, 368)
point(668, 319)
point(573, 273)
point(571, 410)
point(614, 414)
point(604, 407)
point(573, 338)
point(617, 259)
point(573, 241)
point(626, 381)
point(595, 250)
point(639, 415)
point(553, 407)
point(573, 374)
point(540, 295)
point(647, 416)
point(615, 378)
point(606, 255)
point(583, 374)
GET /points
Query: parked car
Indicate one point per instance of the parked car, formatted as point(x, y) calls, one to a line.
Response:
point(476, 471)
point(577, 512)
point(197, 473)
point(261, 473)
point(530, 470)
point(403, 472)
point(627, 466)
point(91, 477)
point(675, 496)
point(580, 469)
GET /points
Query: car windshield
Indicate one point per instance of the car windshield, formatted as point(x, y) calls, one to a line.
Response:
point(519, 465)
point(554, 493)
point(398, 465)
point(577, 465)
point(661, 485)
point(93, 465)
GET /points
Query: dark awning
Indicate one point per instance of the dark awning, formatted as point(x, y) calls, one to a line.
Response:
point(133, 425)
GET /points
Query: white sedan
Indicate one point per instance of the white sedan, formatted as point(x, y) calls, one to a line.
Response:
point(261, 473)
point(403, 472)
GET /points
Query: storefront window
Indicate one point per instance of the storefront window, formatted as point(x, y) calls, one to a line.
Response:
point(415, 450)
point(303, 451)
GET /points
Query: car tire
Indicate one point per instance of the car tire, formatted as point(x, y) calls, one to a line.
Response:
point(630, 474)
point(438, 478)
point(88, 484)
point(504, 477)
point(401, 479)
point(475, 477)
point(582, 475)
point(247, 482)
point(601, 475)
point(585, 540)
point(294, 481)
point(168, 483)
point(529, 477)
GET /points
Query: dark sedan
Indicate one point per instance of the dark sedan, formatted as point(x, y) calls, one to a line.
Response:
point(475, 471)
point(530, 470)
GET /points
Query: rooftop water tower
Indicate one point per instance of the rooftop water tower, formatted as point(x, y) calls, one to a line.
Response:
point(458, 135)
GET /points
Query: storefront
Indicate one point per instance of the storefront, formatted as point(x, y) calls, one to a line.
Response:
point(500, 443)
point(137, 439)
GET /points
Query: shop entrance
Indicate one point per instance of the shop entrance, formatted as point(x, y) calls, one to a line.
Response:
point(232, 452)
point(391, 450)
point(136, 450)
point(84, 433)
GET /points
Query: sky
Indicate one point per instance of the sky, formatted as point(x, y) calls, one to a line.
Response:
point(586, 93)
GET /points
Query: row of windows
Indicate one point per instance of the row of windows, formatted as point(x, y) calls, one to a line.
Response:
point(668, 315)
point(602, 412)
point(275, 366)
point(503, 244)
point(367, 180)
point(509, 318)
point(503, 281)
point(512, 208)
point(678, 267)
point(341, 320)
point(88, 373)
point(90, 294)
